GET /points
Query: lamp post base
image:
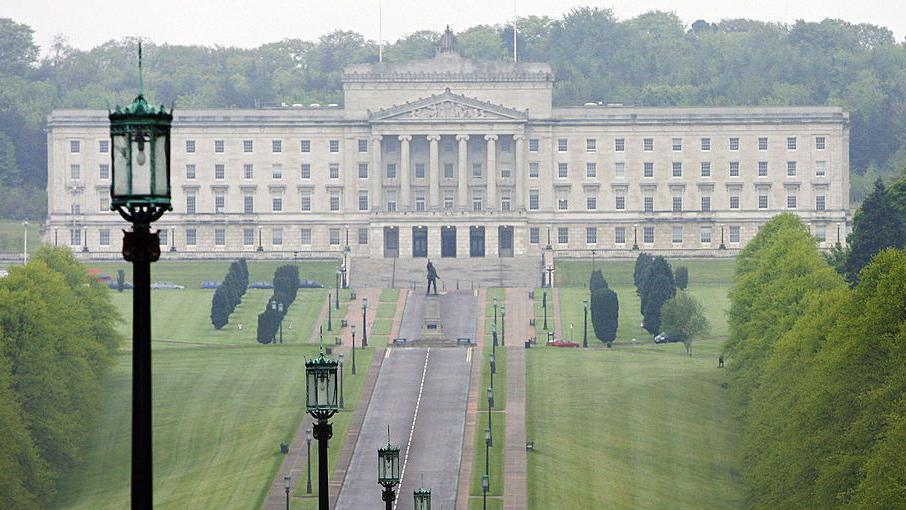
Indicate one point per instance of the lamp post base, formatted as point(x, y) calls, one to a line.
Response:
point(323, 431)
point(388, 496)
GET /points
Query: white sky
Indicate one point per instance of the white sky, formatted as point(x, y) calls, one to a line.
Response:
point(249, 23)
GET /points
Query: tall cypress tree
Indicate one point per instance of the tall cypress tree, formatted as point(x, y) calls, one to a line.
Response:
point(876, 226)
point(658, 286)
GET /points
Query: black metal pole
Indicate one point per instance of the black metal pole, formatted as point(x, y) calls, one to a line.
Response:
point(353, 353)
point(342, 404)
point(545, 310)
point(503, 328)
point(323, 432)
point(338, 292)
point(389, 497)
point(329, 314)
point(364, 328)
point(287, 498)
point(487, 455)
point(308, 484)
point(585, 329)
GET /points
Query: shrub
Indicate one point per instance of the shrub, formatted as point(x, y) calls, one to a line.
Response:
point(605, 310)
point(596, 281)
point(681, 275)
point(638, 274)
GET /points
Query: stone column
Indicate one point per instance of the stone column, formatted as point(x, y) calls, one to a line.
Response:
point(491, 201)
point(434, 172)
point(376, 176)
point(520, 173)
point(462, 176)
point(404, 173)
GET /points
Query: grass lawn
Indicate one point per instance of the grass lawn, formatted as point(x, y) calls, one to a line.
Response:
point(386, 310)
point(630, 428)
point(389, 295)
point(575, 273)
point(192, 273)
point(11, 236)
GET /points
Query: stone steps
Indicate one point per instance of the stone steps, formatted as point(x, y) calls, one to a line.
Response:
point(455, 274)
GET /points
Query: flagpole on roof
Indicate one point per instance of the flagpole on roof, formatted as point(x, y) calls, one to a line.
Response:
point(515, 58)
point(380, 31)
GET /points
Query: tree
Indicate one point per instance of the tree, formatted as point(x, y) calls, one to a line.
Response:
point(876, 226)
point(220, 308)
point(596, 281)
point(605, 311)
point(638, 273)
point(120, 280)
point(659, 287)
point(683, 316)
point(681, 275)
point(17, 47)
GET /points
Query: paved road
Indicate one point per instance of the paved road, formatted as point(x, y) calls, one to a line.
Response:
point(457, 313)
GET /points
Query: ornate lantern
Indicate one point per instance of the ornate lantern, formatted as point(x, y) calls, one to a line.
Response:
point(389, 465)
point(321, 387)
point(422, 499)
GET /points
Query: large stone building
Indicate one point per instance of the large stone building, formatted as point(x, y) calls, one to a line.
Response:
point(450, 157)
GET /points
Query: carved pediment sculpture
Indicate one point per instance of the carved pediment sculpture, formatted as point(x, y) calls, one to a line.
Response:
point(447, 110)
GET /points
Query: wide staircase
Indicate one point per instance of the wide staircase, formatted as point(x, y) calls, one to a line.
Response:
point(455, 274)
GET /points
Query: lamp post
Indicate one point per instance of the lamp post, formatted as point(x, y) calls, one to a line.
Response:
point(364, 324)
point(550, 273)
point(494, 338)
point(585, 325)
point(635, 236)
point(260, 246)
point(24, 243)
point(85, 239)
point(337, 297)
point(493, 362)
point(487, 451)
point(722, 245)
point(485, 487)
point(140, 164)
point(570, 331)
point(422, 498)
point(342, 405)
point(321, 403)
point(352, 327)
point(388, 471)
point(544, 305)
point(592, 260)
point(172, 238)
point(56, 236)
point(277, 306)
point(490, 405)
point(495, 312)
point(346, 252)
point(329, 313)
point(308, 449)
point(502, 325)
point(548, 247)
point(286, 480)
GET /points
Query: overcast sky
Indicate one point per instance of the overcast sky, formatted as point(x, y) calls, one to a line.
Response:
point(249, 23)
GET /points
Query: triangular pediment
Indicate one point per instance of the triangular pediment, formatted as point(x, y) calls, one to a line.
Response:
point(449, 107)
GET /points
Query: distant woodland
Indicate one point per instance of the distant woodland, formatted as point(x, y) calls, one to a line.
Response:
point(654, 59)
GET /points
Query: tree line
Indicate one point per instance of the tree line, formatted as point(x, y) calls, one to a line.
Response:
point(286, 287)
point(654, 59)
point(229, 293)
point(817, 370)
point(57, 341)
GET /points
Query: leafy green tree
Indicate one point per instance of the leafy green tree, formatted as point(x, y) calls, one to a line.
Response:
point(684, 316)
point(658, 287)
point(681, 275)
point(596, 281)
point(17, 46)
point(9, 168)
point(482, 42)
point(638, 273)
point(220, 308)
point(605, 311)
point(876, 226)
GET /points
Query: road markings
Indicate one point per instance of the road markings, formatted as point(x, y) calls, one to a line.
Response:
point(469, 355)
point(418, 402)
point(387, 352)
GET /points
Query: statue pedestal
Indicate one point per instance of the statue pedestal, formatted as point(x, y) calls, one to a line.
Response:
point(432, 327)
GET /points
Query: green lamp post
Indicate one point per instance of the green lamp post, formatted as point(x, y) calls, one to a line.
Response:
point(321, 403)
point(422, 498)
point(585, 324)
point(140, 166)
point(388, 471)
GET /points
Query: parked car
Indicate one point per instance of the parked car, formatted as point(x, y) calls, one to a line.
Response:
point(309, 284)
point(208, 284)
point(562, 343)
point(166, 285)
point(261, 285)
point(113, 285)
point(664, 338)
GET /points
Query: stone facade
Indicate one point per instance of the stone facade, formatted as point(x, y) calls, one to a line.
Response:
point(453, 157)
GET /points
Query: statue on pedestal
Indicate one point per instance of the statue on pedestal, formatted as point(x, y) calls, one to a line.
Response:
point(432, 278)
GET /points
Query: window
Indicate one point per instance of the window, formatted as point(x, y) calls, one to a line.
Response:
point(334, 145)
point(276, 146)
point(75, 237)
point(820, 234)
point(447, 142)
point(104, 237)
point(248, 171)
point(75, 172)
point(247, 146)
point(533, 200)
point(649, 204)
point(820, 143)
point(75, 146)
point(306, 201)
point(706, 144)
point(676, 234)
point(363, 235)
point(390, 146)
point(104, 202)
point(363, 145)
point(706, 203)
point(534, 234)
point(562, 170)
point(791, 201)
point(163, 237)
point(734, 233)
point(420, 201)
point(648, 144)
point(334, 170)
point(820, 168)
point(762, 169)
point(248, 237)
point(619, 170)
point(191, 237)
point(218, 146)
point(734, 169)
point(734, 144)
point(620, 201)
point(277, 237)
point(505, 172)
point(591, 145)
point(706, 169)
point(533, 145)
point(75, 208)
point(419, 170)
point(219, 237)
point(190, 146)
point(190, 172)
point(448, 170)
point(219, 203)
point(677, 204)
point(190, 204)
point(677, 169)
point(791, 143)
point(448, 199)
point(391, 201)
point(476, 170)
point(276, 204)
point(820, 202)
point(505, 145)
point(363, 170)
point(505, 203)
point(619, 145)
point(791, 169)
point(591, 235)
point(763, 143)
point(591, 170)
point(619, 235)
point(306, 171)
point(762, 201)
point(648, 169)
point(533, 169)
point(248, 204)
point(705, 235)
point(476, 202)
point(104, 171)
point(562, 235)
point(563, 204)
point(648, 235)
point(334, 201)
point(591, 202)
point(562, 145)
point(305, 236)
point(677, 144)
point(104, 146)
point(305, 145)
point(734, 201)
point(219, 172)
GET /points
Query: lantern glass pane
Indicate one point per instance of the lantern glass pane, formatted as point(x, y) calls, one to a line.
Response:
point(120, 166)
point(141, 166)
point(161, 186)
point(311, 390)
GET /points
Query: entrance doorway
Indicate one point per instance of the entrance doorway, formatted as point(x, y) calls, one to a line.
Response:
point(391, 242)
point(419, 241)
point(476, 241)
point(505, 241)
point(448, 242)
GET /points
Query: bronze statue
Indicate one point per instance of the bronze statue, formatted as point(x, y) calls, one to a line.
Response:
point(432, 278)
